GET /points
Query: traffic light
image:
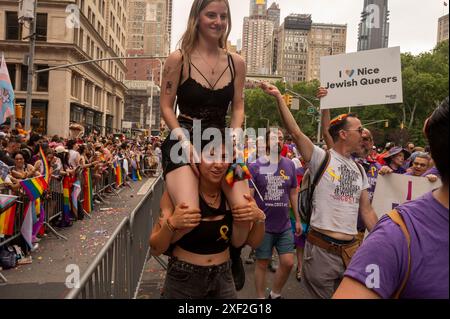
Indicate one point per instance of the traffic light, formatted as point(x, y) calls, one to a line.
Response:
point(288, 100)
point(19, 111)
point(386, 125)
point(402, 126)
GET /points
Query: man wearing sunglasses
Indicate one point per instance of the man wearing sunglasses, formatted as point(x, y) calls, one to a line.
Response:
point(338, 197)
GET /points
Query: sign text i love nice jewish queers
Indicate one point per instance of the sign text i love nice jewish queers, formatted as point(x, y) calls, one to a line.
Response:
point(364, 78)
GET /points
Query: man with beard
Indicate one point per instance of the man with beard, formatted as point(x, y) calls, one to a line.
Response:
point(275, 181)
point(338, 197)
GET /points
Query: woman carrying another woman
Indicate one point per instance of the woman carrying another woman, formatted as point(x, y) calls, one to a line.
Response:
point(199, 240)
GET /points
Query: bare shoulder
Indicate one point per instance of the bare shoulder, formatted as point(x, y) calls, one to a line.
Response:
point(174, 59)
point(238, 61)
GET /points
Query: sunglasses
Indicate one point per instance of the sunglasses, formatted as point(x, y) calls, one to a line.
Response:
point(360, 130)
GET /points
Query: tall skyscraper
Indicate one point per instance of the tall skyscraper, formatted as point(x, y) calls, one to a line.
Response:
point(293, 47)
point(324, 39)
point(374, 25)
point(258, 8)
point(257, 45)
point(442, 28)
point(273, 14)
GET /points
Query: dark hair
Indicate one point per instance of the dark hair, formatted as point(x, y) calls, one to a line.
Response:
point(436, 130)
point(339, 125)
point(70, 144)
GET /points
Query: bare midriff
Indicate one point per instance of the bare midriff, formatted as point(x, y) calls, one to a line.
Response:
point(335, 235)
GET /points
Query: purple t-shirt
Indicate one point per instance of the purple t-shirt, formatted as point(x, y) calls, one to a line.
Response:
point(433, 171)
point(275, 188)
point(385, 249)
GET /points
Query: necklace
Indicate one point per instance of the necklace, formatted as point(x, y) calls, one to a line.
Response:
point(213, 69)
point(215, 196)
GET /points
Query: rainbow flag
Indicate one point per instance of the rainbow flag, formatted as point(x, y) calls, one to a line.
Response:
point(34, 187)
point(118, 170)
point(6, 201)
point(6, 93)
point(87, 191)
point(27, 224)
point(237, 172)
point(7, 221)
point(45, 166)
point(39, 211)
point(66, 197)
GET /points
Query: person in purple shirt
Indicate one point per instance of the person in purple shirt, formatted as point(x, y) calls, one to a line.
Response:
point(275, 186)
point(395, 160)
point(380, 266)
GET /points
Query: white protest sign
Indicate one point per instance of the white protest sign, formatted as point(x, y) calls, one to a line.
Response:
point(395, 189)
point(364, 78)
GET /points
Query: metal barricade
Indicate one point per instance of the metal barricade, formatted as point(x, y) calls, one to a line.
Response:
point(117, 269)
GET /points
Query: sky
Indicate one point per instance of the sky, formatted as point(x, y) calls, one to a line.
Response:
point(413, 23)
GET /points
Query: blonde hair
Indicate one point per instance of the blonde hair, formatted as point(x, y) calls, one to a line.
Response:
point(190, 36)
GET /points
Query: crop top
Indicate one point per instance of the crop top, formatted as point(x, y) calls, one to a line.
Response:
point(205, 103)
point(210, 237)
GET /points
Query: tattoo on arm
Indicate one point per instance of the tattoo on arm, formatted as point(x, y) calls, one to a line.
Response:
point(166, 71)
point(169, 87)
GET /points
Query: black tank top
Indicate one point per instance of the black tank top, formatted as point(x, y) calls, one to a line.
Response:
point(203, 103)
point(210, 237)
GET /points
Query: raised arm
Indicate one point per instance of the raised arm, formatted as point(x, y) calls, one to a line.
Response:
point(304, 144)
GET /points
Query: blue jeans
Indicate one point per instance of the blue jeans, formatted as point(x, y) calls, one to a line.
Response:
point(188, 281)
point(283, 242)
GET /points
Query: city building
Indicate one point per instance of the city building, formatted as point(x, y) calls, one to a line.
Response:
point(258, 8)
point(324, 39)
point(442, 29)
point(90, 94)
point(142, 99)
point(293, 47)
point(257, 48)
point(374, 26)
point(273, 14)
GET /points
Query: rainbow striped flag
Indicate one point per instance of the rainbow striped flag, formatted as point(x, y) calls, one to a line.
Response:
point(6, 93)
point(237, 172)
point(66, 196)
point(87, 191)
point(7, 221)
point(118, 170)
point(39, 211)
point(34, 187)
point(45, 166)
point(27, 224)
point(6, 201)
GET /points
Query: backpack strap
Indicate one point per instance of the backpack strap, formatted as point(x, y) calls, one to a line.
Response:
point(321, 170)
point(398, 219)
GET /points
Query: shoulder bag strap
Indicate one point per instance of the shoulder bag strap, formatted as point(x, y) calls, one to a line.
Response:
point(397, 218)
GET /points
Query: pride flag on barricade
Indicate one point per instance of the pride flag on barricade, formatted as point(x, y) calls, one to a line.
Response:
point(7, 214)
point(45, 166)
point(76, 191)
point(66, 197)
point(34, 188)
point(87, 191)
point(6, 93)
point(118, 171)
point(39, 211)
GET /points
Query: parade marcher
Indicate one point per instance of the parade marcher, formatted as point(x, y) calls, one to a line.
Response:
point(205, 79)
point(420, 164)
point(200, 264)
point(395, 159)
point(339, 196)
point(411, 259)
point(278, 189)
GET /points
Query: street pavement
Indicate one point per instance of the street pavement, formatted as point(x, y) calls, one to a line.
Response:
point(45, 277)
point(154, 275)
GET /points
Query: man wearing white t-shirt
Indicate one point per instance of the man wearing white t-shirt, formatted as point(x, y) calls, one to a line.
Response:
point(339, 196)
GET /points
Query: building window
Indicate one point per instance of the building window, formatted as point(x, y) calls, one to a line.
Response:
point(42, 79)
point(41, 27)
point(88, 92)
point(12, 74)
point(13, 30)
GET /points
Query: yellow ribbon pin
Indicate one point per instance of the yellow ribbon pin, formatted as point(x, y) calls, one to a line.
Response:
point(333, 174)
point(283, 174)
point(223, 233)
point(373, 171)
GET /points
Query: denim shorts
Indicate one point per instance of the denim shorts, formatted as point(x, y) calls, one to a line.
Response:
point(188, 281)
point(283, 242)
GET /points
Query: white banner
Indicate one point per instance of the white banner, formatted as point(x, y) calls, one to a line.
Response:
point(364, 78)
point(395, 189)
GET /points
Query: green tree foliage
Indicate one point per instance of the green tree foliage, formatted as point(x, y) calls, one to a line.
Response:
point(425, 84)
